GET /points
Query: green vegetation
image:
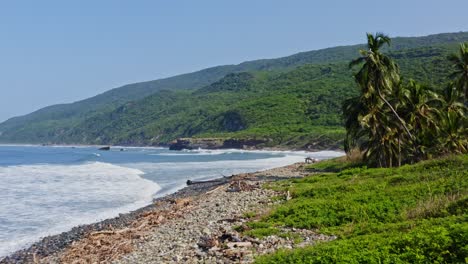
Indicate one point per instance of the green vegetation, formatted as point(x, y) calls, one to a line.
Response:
point(407, 109)
point(460, 73)
point(293, 101)
point(411, 214)
point(275, 106)
point(333, 165)
point(393, 122)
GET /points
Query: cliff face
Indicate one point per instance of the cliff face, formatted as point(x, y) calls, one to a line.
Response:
point(215, 143)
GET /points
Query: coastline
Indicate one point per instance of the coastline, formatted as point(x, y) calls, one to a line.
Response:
point(55, 243)
point(49, 249)
point(167, 145)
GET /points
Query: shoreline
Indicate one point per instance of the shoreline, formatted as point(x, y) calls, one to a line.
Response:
point(166, 146)
point(56, 244)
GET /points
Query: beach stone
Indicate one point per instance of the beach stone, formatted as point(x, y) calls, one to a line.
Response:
point(205, 219)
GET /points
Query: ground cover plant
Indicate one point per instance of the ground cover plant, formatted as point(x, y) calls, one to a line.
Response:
point(411, 214)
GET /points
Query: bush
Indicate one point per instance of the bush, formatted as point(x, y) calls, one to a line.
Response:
point(413, 214)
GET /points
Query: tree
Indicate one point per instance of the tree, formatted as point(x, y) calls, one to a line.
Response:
point(371, 115)
point(394, 122)
point(421, 108)
point(460, 73)
point(454, 139)
point(454, 122)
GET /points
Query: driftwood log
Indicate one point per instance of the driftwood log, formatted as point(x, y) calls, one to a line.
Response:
point(224, 179)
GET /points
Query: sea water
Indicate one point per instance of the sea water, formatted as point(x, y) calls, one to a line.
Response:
point(47, 190)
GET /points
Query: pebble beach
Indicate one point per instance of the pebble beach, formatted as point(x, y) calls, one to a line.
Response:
point(194, 225)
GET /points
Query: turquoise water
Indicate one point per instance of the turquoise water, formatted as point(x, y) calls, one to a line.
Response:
point(48, 190)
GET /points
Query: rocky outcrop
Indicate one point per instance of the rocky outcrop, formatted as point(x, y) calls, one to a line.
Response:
point(215, 143)
point(105, 148)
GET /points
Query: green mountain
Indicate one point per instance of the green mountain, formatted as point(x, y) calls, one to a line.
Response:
point(293, 100)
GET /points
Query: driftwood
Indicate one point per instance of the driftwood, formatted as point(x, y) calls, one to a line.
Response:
point(224, 179)
point(215, 189)
point(241, 186)
point(105, 246)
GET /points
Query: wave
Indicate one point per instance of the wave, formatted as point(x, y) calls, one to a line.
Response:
point(46, 199)
point(203, 152)
point(172, 176)
point(194, 153)
point(42, 200)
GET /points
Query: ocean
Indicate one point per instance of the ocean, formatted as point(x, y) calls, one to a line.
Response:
point(47, 190)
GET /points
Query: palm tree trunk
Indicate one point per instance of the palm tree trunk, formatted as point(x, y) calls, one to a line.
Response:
point(399, 152)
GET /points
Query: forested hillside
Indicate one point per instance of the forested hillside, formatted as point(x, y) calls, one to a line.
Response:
point(294, 101)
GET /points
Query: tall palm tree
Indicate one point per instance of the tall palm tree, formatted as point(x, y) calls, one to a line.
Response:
point(371, 121)
point(379, 73)
point(460, 65)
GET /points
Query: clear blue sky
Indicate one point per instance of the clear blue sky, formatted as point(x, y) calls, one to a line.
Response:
point(62, 51)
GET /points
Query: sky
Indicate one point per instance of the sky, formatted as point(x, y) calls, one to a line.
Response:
point(62, 51)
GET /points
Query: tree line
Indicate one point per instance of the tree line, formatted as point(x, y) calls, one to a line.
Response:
point(394, 122)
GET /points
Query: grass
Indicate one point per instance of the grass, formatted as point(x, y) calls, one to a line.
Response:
point(412, 214)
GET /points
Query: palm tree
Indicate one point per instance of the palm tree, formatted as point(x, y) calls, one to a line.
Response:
point(453, 100)
point(421, 108)
point(460, 74)
point(353, 108)
point(454, 122)
point(372, 123)
point(379, 74)
point(453, 137)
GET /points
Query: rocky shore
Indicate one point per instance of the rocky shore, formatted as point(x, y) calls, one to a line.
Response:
point(195, 225)
point(245, 143)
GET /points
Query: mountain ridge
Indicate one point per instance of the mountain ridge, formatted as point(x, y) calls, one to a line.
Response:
point(66, 116)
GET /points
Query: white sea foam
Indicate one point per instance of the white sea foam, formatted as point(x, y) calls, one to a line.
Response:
point(326, 154)
point(46, 199)
point(41, 200)
point(175, 174)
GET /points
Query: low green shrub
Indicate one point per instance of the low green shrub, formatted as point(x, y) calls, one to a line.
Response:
point(412, 214)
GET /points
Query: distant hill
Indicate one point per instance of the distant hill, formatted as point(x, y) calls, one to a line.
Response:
point(194, 104)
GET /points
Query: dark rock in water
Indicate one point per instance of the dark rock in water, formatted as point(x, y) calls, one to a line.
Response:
point(105, 148)
point(180, 144)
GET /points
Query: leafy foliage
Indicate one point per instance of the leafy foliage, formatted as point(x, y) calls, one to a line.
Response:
point(460, 73)
point(411, 214)
point(394, 122)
